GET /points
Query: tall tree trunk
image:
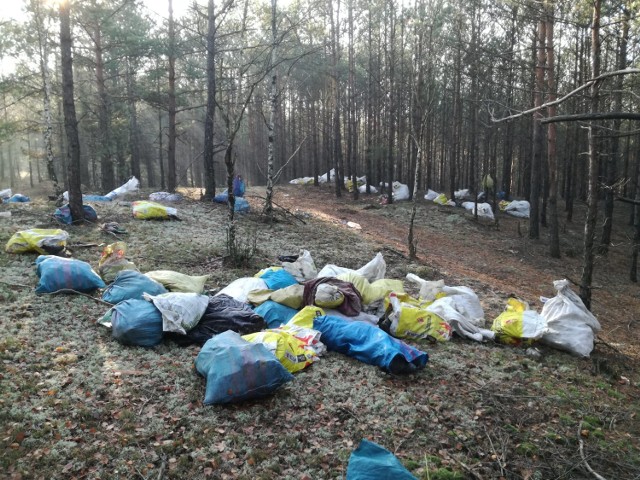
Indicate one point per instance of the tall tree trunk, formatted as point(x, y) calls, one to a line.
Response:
point(133, 122)
point(171, 150)
point(46, 91)
point(554, 233)
point(70, 121)
point(106, 164)
point(209, 165)
point(635, 250)
point(391, 106)
point(337, 136)
point(538, 134)
point(612, 159)
point(592, 192)
point(273, 106)
point(351, 135)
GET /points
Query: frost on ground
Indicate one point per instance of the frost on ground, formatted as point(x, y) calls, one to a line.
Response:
point(74, 403)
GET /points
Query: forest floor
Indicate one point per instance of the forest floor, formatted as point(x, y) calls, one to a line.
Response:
point(74, 403)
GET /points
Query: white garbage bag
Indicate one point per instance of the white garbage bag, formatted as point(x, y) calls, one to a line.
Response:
point(400, 191)
point(303, 268)
point(6, 194)
point(570, 326)
point(451, 309)
point(240, 288)
point(376, 269)
point(518, 208)
point(131, 186)
point(428, 289)
point(431, 195)
point(180, 311)
point(484, 209)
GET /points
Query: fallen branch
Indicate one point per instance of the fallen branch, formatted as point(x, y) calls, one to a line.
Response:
point(591, 116)
point(393, 250)
point(286, 210)
point(69, 290)
point(14, 284)
point(628, 200)
point(584, 460)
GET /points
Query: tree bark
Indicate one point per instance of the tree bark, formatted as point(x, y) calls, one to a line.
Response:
point(273, 106)
point(171, 149)
point(106, 165)
point(538, 134)
point(592, 192)
point(209, 164)
point(70, 121)
point(554, 233)
point(133, 122)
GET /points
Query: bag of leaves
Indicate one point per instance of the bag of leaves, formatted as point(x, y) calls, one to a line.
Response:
point(57, 273)
point(113, 261)
point(237, 370)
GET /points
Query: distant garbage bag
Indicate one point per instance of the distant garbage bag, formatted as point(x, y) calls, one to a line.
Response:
point(275, 314)
point(63, 214)
point(18, 198)
point(180, 311)
point(400, 191)
point(330, 292)
point(240, 288)
point(136, 322)
point(363, 189)
point(463, 194)
point(179, 282)
point(276, 278)
point(144, 210)
point(431, 195)
point(131, 285)
point(287, 348)
point(239, 186)
point(112, 261)
point(570, 326)
point(407, 320)
point(165, 197)
point(39, 240)
point(443, 200)
point(240, 205)
point(57, 273)
point(370, 461)
point(130, 187)
point(328, 177)
point(302, 181)
point(518, 208)
point(237, 370)
point(6, 194)
point(369, 344)
point(303, 268)
point(518, 325)
point(88, 198)
point(484, 209)
point(429, 289)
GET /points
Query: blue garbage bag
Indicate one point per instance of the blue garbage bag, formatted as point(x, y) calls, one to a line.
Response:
point(19, 198)
point(369, 344)
point(277, 279)
point(274, 313)
point(57, 273)
point(238, 370)
point(238, 186)
point(137, 322)
point(370, 461)
point(63, 214)
point(95, 198)
point(240, 205)
point(130, 285)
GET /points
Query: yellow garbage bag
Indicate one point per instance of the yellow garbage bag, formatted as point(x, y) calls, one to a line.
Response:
point(290, 296)
point(518, 325)
point(409, 320)
point(372, 292)
point(179, 282)
point(441, 199)
point(288, 349)
point(304, 318)
point(145, 210)
point(40, 240)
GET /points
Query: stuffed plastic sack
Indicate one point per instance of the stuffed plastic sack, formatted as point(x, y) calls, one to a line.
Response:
point(238, 370)
point(303, 268)
point(179, 282)
point(136, 322)
point(63, 214)
point(165, 197)
point(484, 209)
point(446, 308)
point(144, 210)
point(276, 278)
point(6, 194)
point(113, 261)
point(400, 191)
point(223, 313)
point(239, 186)
point(369, 344)
point(19, 198)
point(240, 288)
point(240, 204)
point(370, 461)
point(570, 326)
point(375, 270)
point(372, 292)
point(288, 349)
point(57, 273)
point(180, 311)
point(431, 195)
point(275, 314)
point(88, 198)
point(518, 208)
point(429, 289)
point(131, 186)
point(40, 240)
point(518, 324)
point(131, 285)
point(411, 321)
